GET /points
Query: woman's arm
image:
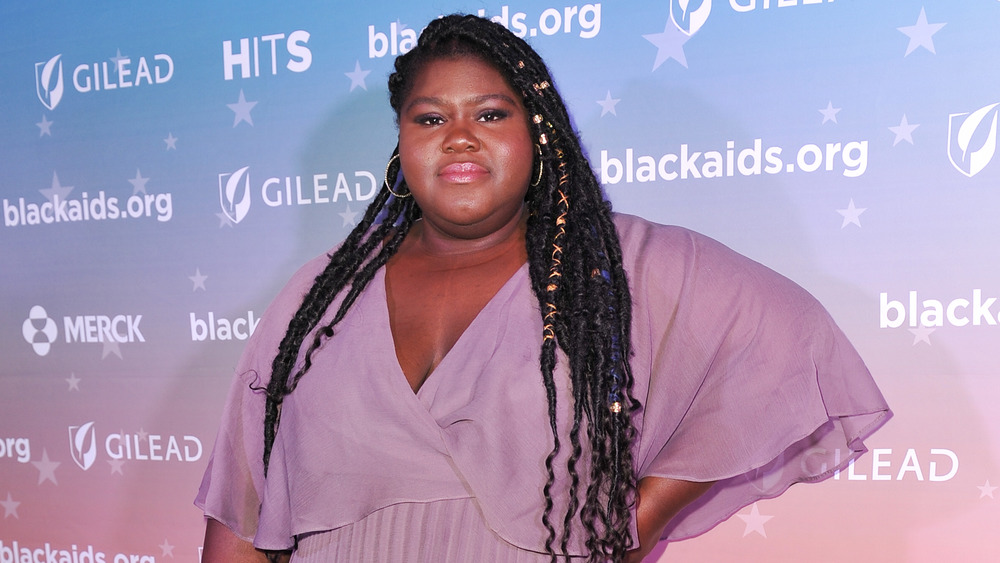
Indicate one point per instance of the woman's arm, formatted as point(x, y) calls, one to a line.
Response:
point(660, 499)
point(223, 546)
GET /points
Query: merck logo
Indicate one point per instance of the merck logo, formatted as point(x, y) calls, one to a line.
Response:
point(972, 139)
point(39, 330)
point(49, 82)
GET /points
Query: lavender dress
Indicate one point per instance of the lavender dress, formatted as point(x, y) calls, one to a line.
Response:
point(744, 378)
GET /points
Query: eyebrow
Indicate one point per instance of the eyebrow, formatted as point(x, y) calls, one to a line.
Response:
point(475, 100)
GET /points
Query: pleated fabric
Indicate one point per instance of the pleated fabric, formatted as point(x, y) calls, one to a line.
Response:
point(451, 530)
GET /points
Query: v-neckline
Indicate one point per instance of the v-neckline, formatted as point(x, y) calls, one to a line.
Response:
point(472, 328)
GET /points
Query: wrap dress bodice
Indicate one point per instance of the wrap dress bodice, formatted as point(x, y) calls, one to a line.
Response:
point(743, 376)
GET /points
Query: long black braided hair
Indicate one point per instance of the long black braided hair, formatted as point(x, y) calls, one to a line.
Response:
point(575, 265)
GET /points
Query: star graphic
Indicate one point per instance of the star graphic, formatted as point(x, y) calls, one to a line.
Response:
point(608, 104)
point(74, 382)
point(199, 279)
point(349, 216)
point(922, 334)
point(754, 521)
point(829, 113)
point(242, 110)
point(116, 466)
point(357, 76)
point(920, 33)
point(10, 506)
point(138, 183)
point(224, 220)
point(114, 60)
point(142, 434)
point(985, 490)
point(852, 214)
point(111, 347)
point(903, 131)
point(46, 468)
point(669, 45)
point(167, 548)
point(56, 189)
point(45, 126)
point(171, 141)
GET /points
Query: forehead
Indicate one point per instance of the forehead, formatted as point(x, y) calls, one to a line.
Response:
point(459, 77)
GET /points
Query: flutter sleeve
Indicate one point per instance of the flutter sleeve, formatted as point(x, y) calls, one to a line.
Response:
point(744, 377)
point(232, 487)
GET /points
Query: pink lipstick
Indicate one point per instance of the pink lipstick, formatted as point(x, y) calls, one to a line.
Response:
point(462, 172)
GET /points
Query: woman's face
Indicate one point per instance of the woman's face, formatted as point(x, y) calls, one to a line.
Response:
point(465, 148)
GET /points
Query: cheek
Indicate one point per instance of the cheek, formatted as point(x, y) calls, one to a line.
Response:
point(412, 161)
point(413, 142)
point(523, 160)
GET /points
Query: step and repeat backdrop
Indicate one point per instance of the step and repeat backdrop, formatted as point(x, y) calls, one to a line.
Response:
point(164, 168)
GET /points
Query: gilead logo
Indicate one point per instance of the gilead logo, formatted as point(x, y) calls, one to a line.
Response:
point(97, 76)
point(885, 464)
point(49, 82)
point(751, 5)
point(153, 447)
point(141, 446)
point(689, 15)
point(123, 72)
point(234, 194)
point(916, 312)
point(235, 190)
point(83, 445)
point(972, 139)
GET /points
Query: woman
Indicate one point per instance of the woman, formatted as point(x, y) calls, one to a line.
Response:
point(494, 367)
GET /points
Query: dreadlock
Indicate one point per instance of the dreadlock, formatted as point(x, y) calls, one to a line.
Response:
point(575, 265)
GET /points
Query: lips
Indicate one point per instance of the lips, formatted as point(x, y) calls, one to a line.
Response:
point(462, 172)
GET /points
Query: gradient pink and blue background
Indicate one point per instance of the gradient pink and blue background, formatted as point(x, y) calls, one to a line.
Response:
point(894, 81)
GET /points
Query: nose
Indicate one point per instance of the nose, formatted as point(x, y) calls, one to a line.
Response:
point(460, 137)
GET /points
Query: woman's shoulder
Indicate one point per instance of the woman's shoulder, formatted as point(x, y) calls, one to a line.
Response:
point(631, 226)
point(646, 243)
point(659, 256)
point(282, 308)
point(302, 280)
point(638, 235)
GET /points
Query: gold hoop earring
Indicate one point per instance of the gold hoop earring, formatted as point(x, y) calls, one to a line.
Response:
point(386, 181)
point(541, 166)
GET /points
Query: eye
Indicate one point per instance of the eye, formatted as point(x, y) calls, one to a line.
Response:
point(493, 115)
point(428, 119)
